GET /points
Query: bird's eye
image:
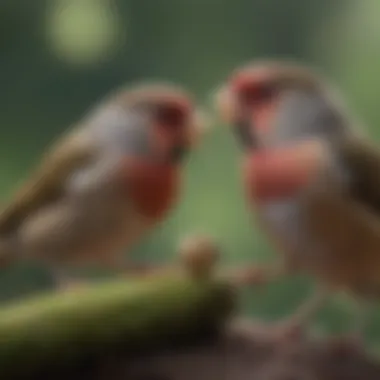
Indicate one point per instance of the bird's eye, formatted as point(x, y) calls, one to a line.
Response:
point(171, 116)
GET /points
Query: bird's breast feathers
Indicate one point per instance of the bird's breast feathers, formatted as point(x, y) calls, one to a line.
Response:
point(331, 233)
point(283, 172)
point(152, 187)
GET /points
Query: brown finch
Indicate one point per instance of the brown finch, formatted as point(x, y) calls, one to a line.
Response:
point(312, 178)
point(112, 178)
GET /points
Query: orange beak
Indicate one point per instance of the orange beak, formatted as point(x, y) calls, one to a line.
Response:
point(231, 113)
point(226, 105)
point(199, 125)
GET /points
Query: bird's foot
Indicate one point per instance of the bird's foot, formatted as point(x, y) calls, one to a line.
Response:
point(342, 345)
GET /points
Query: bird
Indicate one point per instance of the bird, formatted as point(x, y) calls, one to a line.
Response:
point(105, 183)
point(310, 174)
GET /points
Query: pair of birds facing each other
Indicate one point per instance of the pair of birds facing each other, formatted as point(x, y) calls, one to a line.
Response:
point(310, 175)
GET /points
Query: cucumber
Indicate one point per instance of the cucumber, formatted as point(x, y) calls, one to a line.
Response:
point(139, 314)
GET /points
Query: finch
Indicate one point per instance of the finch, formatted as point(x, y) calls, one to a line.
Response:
point(105, 183)
point(311, 176)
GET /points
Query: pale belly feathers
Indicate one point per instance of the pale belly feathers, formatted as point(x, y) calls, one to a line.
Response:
point(330, 237)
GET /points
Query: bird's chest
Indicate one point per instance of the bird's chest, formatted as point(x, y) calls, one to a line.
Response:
point(285, 219)
point(153, 189)
point(134, 196)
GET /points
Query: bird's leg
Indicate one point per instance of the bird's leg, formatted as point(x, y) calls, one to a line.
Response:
point(294, 325)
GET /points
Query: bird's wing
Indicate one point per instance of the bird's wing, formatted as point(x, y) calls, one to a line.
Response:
point(361, 158)
point(46, 182)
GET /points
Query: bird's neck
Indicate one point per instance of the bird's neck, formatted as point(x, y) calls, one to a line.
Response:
point(153, 187)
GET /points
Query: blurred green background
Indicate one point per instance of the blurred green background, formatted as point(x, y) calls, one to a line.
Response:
point(58, 57)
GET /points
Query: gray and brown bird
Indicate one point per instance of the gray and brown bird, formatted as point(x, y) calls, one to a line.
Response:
point(106, 183)
point(312, 179)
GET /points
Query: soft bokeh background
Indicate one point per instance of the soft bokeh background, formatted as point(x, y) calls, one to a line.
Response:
point(58, 57)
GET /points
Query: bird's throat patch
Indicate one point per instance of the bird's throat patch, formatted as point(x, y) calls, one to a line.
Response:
point(275, 174)
point(153, 187)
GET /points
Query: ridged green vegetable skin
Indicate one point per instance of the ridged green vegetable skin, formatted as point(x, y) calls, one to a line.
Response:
point(62, 328)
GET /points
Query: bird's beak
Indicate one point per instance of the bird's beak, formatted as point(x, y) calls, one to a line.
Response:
point(226, 105)
point(228, 108)
point(200, 124)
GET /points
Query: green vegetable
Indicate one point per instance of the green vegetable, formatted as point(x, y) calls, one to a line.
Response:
point(139, 315)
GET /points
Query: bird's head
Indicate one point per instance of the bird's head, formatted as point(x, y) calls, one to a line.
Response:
point(272, 103)
point(283, 115)
point(169, 120)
